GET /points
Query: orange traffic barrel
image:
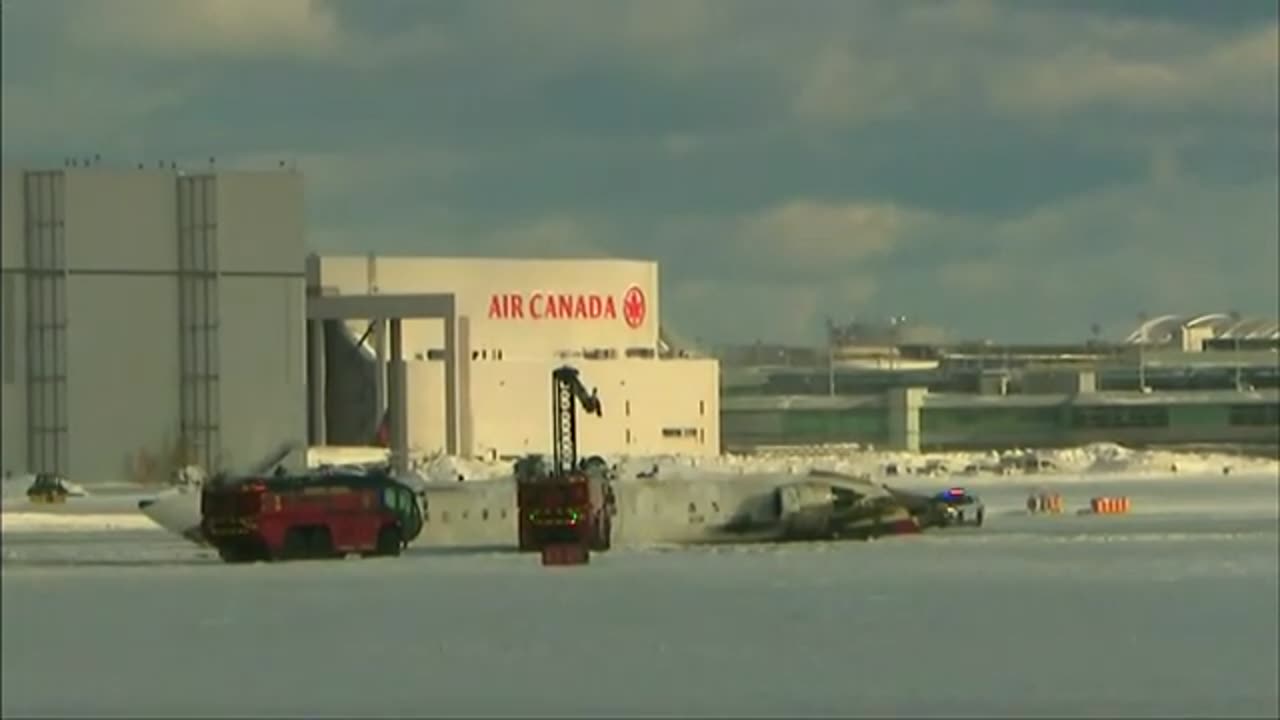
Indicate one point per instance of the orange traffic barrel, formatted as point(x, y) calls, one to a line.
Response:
point(1044, 503)
point(1109, 505)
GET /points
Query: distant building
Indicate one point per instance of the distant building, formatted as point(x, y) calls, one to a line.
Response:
point(150, 317)
point(518, 320)
point(1209, 331)
point(154, 318)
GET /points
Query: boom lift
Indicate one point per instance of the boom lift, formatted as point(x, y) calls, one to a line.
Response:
point(565, 510)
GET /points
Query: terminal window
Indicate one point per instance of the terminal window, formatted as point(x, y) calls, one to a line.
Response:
point(1119, 417)
point(1259, 414)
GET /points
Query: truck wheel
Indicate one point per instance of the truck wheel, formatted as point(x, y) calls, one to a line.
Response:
point(389, 541)
point(322, 543)
point(296, 545)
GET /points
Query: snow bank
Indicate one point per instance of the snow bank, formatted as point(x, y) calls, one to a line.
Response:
point(16, 522)
point(1097, 459)
point(15, 488)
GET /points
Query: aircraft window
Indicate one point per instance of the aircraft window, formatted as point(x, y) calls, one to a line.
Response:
point(484, 514)
point(466, 514)
point(715, 507)
point(502, 513)
point(693, 507)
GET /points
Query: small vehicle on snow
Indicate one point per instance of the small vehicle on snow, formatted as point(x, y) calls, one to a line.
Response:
point(956, 507)
point(50, 488)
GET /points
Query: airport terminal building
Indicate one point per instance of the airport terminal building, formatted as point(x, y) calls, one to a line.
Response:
point(154, 317)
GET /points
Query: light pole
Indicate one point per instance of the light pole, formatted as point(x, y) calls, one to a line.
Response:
point(1142, 354)
point(831, 368)
point(1235, 337)
point(1142, 365)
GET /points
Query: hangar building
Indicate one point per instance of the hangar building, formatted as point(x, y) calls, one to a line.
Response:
point(151, 317)
point(517, 321)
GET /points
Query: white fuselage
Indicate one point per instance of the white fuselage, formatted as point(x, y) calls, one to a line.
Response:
point(678, 510)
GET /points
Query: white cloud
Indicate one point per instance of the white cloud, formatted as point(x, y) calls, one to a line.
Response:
point(954, 15)
point(224, 27)
point(1238, 72)
point(558, 235)
point(77, 112)
point(736, 311)
point(1167, 244)
point(805, 236)
point(841, 88)
point(850, 63)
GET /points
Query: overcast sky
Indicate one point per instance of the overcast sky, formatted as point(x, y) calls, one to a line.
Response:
point(1008, 170)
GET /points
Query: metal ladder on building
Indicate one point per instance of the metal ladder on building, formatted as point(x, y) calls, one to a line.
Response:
point(198, 320)
point(46, 274)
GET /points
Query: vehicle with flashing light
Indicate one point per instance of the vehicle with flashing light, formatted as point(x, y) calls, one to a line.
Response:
point(325, 514)
point(957, 507)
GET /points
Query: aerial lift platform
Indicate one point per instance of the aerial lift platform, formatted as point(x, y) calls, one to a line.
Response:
point(565, 511)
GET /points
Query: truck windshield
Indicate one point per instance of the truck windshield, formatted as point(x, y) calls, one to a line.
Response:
point(237, 502)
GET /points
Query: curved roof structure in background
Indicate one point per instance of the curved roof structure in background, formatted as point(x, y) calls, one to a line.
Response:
point(1163, 329)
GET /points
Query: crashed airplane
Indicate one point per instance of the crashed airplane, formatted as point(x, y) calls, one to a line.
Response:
point(701, 508)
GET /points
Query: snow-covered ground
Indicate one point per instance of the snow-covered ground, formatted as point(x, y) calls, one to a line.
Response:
point(1171, 610)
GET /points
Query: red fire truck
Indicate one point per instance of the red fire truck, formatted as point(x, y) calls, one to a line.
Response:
point(321, 515)
point(565, 511)
point(571, 510)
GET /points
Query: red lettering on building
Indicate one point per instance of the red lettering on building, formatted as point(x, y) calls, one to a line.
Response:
point(506, 306)
point(559, 306)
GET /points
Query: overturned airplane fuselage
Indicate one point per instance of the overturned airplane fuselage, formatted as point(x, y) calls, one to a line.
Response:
point(696, 509)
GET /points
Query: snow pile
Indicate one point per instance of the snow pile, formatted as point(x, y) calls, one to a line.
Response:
point(15, 489)
point(1093, 459)
point(63, 522)
point(447, 468)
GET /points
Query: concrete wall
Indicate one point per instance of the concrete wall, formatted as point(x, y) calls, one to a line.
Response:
point(119, 308)
point(650, 407)
point(488, 290)
point(261, 234)
point(122, 334)
point(13, 313)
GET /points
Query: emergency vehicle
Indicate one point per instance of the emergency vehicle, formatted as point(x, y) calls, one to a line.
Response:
point(565, 511)
point(319, 515)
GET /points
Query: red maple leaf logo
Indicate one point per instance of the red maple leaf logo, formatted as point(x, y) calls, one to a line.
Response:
point(633, 307)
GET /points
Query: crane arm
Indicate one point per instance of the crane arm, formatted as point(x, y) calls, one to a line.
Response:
point(568, 377)
point(567, 387)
